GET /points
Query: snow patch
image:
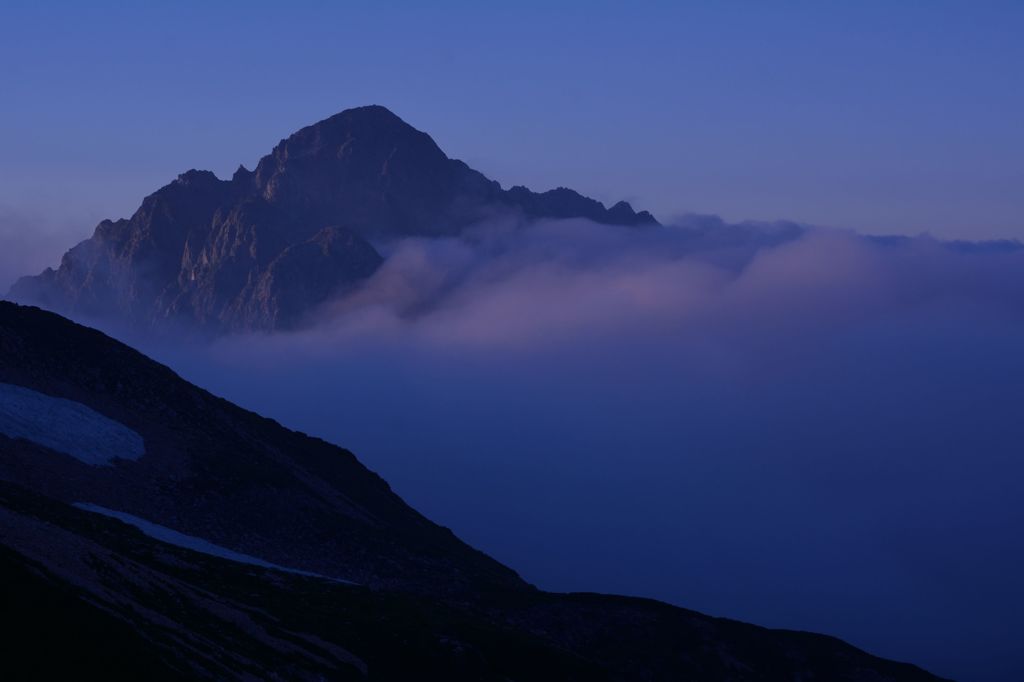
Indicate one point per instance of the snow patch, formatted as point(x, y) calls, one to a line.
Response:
point(66, 426)
point(173, 537)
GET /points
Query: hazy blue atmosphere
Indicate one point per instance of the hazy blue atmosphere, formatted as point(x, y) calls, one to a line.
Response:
point(789, 423)
point(820, 432)
point(884, 117)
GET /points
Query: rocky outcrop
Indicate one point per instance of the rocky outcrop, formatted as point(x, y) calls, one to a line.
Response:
point(262, 250)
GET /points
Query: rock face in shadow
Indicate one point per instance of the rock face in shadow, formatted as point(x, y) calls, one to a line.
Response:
point(91, 597)
point(252, 253)
point(217, 472)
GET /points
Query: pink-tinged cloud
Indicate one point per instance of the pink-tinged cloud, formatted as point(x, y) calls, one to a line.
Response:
point(800, 427)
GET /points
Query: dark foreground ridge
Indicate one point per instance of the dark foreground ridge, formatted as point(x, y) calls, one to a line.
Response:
point(261, 250)
point(400, 598)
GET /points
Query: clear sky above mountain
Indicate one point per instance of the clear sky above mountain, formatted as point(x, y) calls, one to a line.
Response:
point(880, 116)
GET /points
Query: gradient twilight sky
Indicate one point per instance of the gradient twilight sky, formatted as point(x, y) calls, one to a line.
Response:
point(880, 116)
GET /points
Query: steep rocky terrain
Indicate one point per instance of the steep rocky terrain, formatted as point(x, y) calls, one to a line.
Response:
point(206, 496)
point(260, 251)
point(213, 470)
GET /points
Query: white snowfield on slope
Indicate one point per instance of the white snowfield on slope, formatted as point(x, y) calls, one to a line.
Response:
point(173, 537)
point(66, 426)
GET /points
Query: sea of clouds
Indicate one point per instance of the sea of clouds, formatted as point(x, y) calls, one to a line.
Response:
point(799, 427)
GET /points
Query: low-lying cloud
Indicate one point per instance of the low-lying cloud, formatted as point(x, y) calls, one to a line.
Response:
point(800, 427)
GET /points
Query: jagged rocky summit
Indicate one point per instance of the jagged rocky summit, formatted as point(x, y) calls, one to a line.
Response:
point(260, 251)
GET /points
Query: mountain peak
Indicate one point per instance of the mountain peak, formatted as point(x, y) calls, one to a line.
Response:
point(369, 112)
point(195, 177)
point(237, 255)
point(374, 123)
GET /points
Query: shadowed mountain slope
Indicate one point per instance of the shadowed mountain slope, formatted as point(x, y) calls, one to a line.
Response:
point(395, 597)
point(215, 471)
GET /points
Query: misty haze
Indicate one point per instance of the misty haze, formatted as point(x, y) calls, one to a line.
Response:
point(377, 343)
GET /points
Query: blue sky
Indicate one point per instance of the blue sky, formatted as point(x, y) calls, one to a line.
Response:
point(885, 117)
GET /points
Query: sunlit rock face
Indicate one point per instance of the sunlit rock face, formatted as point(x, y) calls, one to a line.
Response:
point(66, 426)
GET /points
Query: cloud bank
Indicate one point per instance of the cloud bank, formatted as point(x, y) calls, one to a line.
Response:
point(799, 427)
